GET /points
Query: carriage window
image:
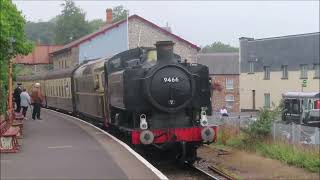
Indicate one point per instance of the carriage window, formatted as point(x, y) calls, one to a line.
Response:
point(67, 88)
point(58, 89)
point(116, 63)
point(102, 79)
point(96, 82)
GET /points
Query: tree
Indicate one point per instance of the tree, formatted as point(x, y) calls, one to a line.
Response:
point(12, 42)
point(96, 24)
point(219, 47)
point(119, 13)
point(43, 31)
point(71, 24)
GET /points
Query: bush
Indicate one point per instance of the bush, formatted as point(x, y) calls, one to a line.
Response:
point(261, 128)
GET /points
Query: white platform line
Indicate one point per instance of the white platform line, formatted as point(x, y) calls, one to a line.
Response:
point(138, 156)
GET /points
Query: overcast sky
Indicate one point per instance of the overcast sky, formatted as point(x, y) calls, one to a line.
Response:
point(202, 22)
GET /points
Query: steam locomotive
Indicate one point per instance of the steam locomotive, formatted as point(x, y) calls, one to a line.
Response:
point(148, 95)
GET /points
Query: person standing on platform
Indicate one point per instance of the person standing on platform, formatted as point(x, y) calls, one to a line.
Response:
point(36, 99)
point(16, 96)
point(25, 101)
point(224, 112)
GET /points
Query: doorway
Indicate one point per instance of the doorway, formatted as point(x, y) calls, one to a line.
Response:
point(254, 99)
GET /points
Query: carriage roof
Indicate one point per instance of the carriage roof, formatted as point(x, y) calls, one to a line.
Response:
point(49, 75)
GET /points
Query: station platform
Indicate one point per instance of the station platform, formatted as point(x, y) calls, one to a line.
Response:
point(64, 147)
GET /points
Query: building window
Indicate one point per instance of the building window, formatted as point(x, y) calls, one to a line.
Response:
point(229, 100)
point(317, 71)
point(251, 67)
point(267, 100)
point(284, 69)
point(266, 70)
point(229, 83)
point(304, 71)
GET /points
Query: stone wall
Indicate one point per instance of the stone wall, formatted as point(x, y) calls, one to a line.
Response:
point(219, 97)
point(143, 34)
point(66, 59)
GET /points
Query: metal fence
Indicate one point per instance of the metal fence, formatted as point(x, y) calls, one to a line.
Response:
point(296, 133)
point(291, 133)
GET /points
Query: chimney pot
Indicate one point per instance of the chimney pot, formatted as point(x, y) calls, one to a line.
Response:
point(109, 17)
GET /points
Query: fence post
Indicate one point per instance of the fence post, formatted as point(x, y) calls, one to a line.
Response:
point(317, 135)
point(274, 131)
point(292, 133)
point(299, 134)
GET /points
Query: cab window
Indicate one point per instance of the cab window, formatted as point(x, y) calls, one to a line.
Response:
point(152, 56)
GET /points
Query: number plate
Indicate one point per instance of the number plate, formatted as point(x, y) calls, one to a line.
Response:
point(170, 79)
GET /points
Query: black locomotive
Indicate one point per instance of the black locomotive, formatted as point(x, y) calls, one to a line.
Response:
point(148, 95)
point(158, 98)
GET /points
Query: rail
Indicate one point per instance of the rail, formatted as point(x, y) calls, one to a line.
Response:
point(211, 171)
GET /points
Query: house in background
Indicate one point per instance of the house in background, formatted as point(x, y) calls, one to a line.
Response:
point(114, 38)
point(224, 69)
point(38, 60)
point(272, 66)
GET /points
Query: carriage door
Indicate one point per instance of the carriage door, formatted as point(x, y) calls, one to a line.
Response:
point(103, 100)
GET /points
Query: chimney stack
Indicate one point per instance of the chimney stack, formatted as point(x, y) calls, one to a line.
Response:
point(165, 52)
point(109, 17)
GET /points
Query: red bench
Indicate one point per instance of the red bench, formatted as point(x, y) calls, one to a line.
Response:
point(8, 136)
point(18, 122)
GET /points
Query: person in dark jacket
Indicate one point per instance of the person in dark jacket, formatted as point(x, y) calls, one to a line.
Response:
point(36, 100)
point(16, 96)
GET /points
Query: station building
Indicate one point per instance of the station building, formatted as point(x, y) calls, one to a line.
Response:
point(116, 37)
point(223, 69)
point(272, 66)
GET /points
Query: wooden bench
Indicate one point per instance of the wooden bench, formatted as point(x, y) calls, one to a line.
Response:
point(18, 122)
point(18, 116)
point(8, 136)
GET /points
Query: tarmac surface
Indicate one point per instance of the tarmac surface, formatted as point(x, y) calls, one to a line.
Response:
point(61, 147)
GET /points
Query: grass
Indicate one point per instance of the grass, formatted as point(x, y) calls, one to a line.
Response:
point(296, 155)
point(308, 158)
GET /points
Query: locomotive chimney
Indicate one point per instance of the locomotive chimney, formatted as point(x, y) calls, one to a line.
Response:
point(165, 52)
point(109, 17)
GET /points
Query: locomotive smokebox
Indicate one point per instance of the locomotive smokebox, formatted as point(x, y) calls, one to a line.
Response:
point(165, 52)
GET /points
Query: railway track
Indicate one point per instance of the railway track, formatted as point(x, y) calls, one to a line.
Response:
point(213, 172)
